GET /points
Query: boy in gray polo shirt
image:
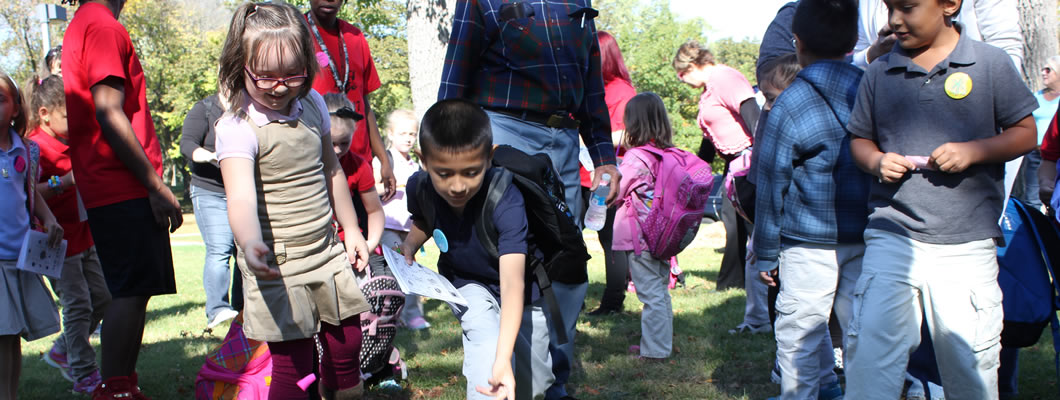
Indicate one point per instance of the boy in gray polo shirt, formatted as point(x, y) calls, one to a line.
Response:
point(934, 121)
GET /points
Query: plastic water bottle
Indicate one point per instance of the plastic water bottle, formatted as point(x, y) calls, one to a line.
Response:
point(596, 215)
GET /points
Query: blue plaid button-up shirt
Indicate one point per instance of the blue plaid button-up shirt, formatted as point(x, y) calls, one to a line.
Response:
point(809, 188)
point(537, 55)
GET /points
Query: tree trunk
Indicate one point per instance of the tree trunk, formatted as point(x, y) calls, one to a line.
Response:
point(429, 22)
point(1038, 19)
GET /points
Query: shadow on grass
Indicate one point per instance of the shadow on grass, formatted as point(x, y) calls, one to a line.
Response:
point(166, 369)
point(181, 308)
point(707, 361)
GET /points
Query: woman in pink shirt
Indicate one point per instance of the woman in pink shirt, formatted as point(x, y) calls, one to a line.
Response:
point(727, 115)
point(727, 109)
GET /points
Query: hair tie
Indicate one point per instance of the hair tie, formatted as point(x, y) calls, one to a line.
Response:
point(347, 112)
point(254, 9)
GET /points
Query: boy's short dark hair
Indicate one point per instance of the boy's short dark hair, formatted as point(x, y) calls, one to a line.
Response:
point(826, 28)
point(455, 126)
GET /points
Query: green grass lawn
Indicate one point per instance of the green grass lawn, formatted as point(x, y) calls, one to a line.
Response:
point(708, 362)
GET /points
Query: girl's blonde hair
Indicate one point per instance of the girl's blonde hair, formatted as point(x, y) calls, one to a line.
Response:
point(647, 122)
point(46, 93)
point(259, 30)
point(692, 54)
point(400, 114)
point(18, 122)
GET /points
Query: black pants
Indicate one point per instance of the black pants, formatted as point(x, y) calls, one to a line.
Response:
point(731, 274)
point(615, 288)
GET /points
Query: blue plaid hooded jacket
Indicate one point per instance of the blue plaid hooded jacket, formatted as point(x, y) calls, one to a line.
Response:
point(809, 188)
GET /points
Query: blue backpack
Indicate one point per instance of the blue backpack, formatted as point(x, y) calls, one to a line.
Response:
point(1031, 256)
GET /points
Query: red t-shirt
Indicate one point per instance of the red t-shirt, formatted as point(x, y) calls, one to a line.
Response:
point(54, 161)
point(1051, 143)
point(359, 178)
point(616, 94)
point(363, 78)
point(96, 47)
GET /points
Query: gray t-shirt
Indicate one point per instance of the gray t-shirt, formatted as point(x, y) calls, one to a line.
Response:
point(909, 111)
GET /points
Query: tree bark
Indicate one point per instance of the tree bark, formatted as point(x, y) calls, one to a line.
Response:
point(429, 23)
point(1038, 19)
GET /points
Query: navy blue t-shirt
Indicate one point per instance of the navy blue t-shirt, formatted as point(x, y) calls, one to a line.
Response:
point(467, 261)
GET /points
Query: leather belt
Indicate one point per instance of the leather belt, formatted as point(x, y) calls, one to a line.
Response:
point(555, 120)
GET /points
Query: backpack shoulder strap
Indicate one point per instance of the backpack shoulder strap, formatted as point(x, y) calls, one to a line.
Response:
point(424, 200)
point(487, 230)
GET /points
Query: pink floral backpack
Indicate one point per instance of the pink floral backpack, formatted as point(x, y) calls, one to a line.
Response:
point(682, 187)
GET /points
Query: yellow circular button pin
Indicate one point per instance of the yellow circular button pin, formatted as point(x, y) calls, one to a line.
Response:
point(958, 85)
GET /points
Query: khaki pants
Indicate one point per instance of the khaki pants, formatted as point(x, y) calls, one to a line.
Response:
point(953, 288)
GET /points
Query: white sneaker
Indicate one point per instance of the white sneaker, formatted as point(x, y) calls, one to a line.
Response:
point(222, 316)
point(752, 329)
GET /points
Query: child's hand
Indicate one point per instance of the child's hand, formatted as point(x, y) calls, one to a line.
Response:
point(55, 232)
point(357, 250)
point(408, 252)
point(955, 157)
point(256, 254)
point(892, 167)
point(502, 384)
point(767, 277)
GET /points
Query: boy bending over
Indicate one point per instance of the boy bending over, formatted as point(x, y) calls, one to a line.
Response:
point(503, 318)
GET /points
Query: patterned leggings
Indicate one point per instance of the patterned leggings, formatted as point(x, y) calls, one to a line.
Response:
point(340, 369)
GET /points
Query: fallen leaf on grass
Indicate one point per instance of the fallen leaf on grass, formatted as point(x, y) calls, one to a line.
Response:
point(590, 390)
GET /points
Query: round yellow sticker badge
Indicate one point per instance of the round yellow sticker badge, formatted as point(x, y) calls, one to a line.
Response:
point(958, 85)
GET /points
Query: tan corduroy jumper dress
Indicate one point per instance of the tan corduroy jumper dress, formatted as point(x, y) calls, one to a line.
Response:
point(295, 213)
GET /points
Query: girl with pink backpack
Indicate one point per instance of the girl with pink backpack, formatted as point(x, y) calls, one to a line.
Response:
point(663, 191)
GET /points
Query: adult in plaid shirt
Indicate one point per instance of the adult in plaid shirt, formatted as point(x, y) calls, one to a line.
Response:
point(535, 68)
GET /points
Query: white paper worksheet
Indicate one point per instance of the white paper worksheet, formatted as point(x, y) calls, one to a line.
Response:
point(36, 256)
point(416, 279)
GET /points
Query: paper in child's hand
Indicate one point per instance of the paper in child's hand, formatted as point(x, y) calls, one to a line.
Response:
point(38, 257)
point(921, 162)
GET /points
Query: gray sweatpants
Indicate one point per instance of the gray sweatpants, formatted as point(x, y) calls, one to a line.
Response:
point(83, 293)
point(651, 276)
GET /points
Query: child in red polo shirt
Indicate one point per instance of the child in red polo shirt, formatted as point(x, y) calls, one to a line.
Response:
point(358, 172)
point(81, 287)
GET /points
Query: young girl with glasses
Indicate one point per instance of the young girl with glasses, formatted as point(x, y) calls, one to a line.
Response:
point(283, 184)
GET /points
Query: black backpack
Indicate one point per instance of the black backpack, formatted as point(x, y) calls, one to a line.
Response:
point(551, 225)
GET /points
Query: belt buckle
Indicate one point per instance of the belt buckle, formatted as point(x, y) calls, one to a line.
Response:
point(555, 121)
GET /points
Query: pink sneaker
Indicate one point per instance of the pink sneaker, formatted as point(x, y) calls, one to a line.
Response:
point(89, 383)
point(57, 359)
point(418, 323)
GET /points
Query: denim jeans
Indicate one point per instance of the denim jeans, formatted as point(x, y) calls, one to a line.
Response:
point(1027, 182)
point(561, 145)
point(211, 215)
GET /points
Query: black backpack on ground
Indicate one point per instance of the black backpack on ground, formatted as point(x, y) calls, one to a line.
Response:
point(551, 226)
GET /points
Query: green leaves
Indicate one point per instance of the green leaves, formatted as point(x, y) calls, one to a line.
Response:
point(649, 34)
